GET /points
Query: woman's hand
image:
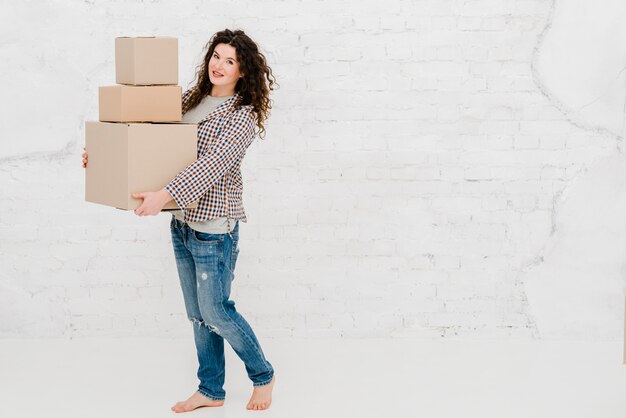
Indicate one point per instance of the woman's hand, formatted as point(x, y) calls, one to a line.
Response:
point(85, 157)
point(153, 202)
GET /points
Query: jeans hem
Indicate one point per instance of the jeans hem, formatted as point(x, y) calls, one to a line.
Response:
point(267, 382)
point(211, 397)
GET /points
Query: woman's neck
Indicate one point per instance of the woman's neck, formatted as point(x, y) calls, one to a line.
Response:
point(222, 91)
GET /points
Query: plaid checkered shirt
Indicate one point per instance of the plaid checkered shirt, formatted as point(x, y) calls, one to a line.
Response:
point(215, 177)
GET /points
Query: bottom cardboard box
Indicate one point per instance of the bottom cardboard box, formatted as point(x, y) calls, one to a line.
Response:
point(126, 158)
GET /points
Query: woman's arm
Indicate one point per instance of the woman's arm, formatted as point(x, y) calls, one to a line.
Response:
point(194, 181)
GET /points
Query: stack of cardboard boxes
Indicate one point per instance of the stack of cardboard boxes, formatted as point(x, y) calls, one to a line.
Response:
point(139, 144)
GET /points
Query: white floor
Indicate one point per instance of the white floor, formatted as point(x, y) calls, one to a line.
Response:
point(143, 377)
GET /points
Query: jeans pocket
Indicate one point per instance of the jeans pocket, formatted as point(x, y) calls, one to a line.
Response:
point(206, 238)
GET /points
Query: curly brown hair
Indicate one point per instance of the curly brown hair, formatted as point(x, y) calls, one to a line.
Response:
point(255, 85)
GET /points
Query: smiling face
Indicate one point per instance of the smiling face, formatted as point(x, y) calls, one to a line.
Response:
point(224, 70)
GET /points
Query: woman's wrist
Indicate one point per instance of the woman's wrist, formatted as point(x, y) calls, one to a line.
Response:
point(166, 196)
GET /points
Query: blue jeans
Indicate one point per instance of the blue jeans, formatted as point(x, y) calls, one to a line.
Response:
point(206, 265)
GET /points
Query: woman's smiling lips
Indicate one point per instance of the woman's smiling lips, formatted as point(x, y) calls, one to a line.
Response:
point(216, 74)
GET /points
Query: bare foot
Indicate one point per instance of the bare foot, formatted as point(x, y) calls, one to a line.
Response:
point(261, 396)
point(196, 400)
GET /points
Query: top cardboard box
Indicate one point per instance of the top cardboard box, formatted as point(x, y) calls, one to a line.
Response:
point(146, 61)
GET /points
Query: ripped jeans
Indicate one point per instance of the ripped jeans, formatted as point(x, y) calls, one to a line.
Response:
point(206, 265)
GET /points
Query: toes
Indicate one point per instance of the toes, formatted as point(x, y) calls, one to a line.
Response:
point(257, 406)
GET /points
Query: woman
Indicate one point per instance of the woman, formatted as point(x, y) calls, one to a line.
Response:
point(229, 101)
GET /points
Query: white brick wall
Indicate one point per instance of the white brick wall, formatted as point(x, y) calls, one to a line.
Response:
point(409, 182)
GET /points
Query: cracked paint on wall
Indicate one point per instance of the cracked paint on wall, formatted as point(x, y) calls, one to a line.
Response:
point(580, 64)
point(576, 285)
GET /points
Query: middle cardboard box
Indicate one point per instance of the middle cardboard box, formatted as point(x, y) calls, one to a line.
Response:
point(140, 103)
point(127, 158)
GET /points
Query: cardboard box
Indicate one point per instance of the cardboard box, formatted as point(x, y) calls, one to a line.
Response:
point(126, 158)
point(140, 103)
point(146, 61)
